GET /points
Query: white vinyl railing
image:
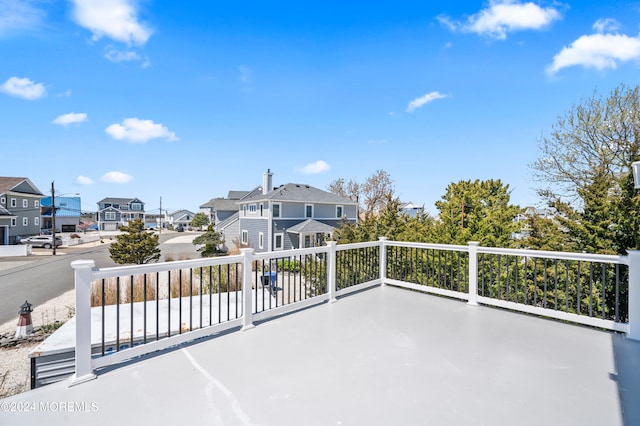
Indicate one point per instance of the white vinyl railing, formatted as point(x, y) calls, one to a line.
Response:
point(234, 292)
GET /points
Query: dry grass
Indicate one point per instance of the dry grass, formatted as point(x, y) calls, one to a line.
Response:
point(176, 283)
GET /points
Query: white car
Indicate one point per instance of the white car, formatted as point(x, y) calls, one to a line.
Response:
point(45, 241)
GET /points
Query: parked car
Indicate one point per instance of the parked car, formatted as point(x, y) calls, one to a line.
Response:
point(45, 241)
point(179, 228)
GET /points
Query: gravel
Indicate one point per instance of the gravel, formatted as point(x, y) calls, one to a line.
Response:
point(14, 360)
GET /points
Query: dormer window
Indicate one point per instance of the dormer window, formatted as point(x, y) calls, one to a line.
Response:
point(252, 208)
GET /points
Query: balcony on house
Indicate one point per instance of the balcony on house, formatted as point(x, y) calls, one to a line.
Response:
point(372, 333)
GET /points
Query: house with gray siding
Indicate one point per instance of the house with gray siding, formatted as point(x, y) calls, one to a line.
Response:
point(180, 217)
point(290, 216)
point(19, 209)
point(114, 212)
point(220, 209)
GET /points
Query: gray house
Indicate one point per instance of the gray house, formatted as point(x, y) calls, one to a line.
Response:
point(223, 214)
point(220, 209)
point(290, 216)
point(180, 217)
point(19, 209)
point(113, 212)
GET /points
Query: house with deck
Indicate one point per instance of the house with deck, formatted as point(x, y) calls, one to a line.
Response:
point(19, 209)
point(114, 212)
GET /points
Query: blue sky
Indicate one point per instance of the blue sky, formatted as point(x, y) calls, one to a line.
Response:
point(187, 100)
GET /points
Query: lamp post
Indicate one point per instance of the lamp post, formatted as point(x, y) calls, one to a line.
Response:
point(634, 274)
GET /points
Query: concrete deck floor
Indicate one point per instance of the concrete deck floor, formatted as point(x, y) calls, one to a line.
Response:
point(385, 356)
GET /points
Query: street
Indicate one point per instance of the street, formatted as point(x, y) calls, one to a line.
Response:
point(39, 278)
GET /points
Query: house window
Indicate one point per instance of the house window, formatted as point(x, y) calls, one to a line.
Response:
point(339, 212)
point(308, 210)
point(245, 236)
point(136, 206)
point(308, 241)
point(116, 206)
point(3, 200)
point(14, 202)
point(109, 215)
point(278, 239)
point(25, 203)
point(276, 210)
point(36, 203)
point(36, 221)
point(244, 210)
point(13, 221)
point(252, 208)
point(261, 210)
point(25, 221)
point(260, 240)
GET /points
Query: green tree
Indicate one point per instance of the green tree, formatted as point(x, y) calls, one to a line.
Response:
point(584, 168)
point(476, 211)
point(135, 245)
point(199, 220)
point(211, 240)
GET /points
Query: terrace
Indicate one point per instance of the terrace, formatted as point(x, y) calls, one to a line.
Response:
point(373, 333)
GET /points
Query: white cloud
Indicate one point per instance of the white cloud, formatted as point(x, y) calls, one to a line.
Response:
point(504, 16)
point(23, 88)
point(64, 94)
point(70, 118)
point(419, 102)
point(115, 19)
point(116, 177)
point(115, 55)
point(136, 130)
point(606, 25)
point(599, 51)
point(314, 168)
point(83, 180)
point(16, 15)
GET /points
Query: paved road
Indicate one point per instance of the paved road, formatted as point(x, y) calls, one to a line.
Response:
point(42, 277)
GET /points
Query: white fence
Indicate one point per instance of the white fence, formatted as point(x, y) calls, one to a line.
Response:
point(596, 290)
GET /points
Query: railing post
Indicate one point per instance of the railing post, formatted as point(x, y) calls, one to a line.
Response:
point(247, 291)
point(473, 272)
point(84, 369)
point(331, 270)
point(634, 295)
point(383, 259)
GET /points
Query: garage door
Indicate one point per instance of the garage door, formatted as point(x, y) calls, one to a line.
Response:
point(110, 226)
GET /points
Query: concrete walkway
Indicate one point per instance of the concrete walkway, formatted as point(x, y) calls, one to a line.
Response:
point(385, 356)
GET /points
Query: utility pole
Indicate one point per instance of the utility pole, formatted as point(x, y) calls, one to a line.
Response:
point(160, 230)
point(53, 217)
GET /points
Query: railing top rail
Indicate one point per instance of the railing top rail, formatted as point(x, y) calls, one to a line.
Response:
point(352, 246)
point(449, 247)
point(164, 266)
point(587, 257)
point(289, 253)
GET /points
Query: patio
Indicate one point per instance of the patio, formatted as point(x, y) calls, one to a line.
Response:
point(381, 356)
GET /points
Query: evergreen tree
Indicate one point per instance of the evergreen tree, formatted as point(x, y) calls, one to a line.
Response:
point(211, 240)
point(476, 211)
point(135, 245)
